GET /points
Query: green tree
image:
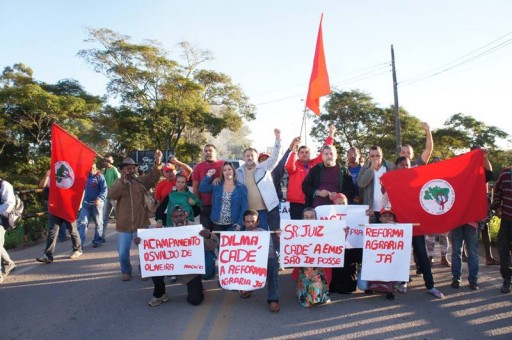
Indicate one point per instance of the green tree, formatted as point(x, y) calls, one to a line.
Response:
point(361, 123)
point(162, 98)
point(27, 111)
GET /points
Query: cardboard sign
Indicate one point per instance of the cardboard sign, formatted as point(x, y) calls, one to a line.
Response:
point(171, 251)
point(387, 252)
point(243, 257)
point(354, 216)
point(312, 243)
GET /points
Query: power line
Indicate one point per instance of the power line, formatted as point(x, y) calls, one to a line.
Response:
point(467, 58)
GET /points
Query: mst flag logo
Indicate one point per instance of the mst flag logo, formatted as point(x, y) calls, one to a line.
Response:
point(437, 197)
point(64, 175)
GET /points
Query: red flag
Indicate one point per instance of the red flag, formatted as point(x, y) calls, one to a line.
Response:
point(319, 82)
point(70, 166)
point(439, 196)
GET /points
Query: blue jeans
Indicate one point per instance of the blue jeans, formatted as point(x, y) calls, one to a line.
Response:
point(124, 244)
point(96, 212)
point(469, 234)
point(107, 210)
point(272, 280)
point(420, 251)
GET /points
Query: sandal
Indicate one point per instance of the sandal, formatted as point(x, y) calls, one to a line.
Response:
point(274, 307)
point(245, 294)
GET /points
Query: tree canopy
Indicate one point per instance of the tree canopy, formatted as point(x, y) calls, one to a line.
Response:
point(161, 100)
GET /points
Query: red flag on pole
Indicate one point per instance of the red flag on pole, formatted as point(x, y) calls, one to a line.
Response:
point(439, 196)
point(319, 82)
point(71, 163)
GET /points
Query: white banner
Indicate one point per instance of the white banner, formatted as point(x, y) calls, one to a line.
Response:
point(312, 243)
point(387, 252)
point(354, 216)
point(243, 257)
point(171, 251)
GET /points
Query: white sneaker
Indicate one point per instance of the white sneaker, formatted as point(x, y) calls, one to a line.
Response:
point(436, 293)
point(8, 268)
point(158, 301)
point(76, 253)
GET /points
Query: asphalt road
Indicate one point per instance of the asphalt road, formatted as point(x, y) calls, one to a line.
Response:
point(86, 299)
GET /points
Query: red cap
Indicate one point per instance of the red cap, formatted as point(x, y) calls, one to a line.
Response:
point(169, 166)
point(262, 154)
point(387, 209)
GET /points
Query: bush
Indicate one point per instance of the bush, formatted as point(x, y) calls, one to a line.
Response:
point(494, 226)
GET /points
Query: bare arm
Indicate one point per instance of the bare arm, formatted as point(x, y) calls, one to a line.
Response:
point(429, 143)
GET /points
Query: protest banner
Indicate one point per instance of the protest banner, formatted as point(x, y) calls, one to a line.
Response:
point(387, 252)
point(312, 243)
point(355, 219)
point(171, 251)
point(242, 261)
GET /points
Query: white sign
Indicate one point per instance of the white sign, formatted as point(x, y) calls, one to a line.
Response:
point(171, 251)
point(354, 216)
point(243, 258)
point(312, 243)
point(387, 252)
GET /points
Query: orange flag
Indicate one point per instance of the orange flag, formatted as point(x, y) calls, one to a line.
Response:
point(319, 82)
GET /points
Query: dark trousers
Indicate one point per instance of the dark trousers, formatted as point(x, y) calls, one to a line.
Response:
point(204, 217)
point(194, 289)
point(504, 249)
point(296, 210)
point(54, 224)
point(420, 251)
point(344, 280)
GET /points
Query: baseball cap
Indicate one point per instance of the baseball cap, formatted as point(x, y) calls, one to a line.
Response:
point(387, 209)
point(263, 154)
point(169, 167)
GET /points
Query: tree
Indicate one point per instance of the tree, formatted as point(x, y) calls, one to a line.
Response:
point(360, 123)
point(161, 97)
point(29, 108)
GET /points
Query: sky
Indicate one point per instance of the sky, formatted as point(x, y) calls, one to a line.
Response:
point(451, 56)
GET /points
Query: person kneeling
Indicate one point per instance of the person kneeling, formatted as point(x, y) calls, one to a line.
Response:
point(195, 296)
point(251, 220)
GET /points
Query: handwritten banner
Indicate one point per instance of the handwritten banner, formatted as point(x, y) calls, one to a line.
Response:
point(171, 251)
point(312, 243)
point(354, 216)
point(243, 257)
point(387, 252)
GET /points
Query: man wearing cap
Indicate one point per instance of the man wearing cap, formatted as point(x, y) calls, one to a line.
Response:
point(111, 175)
point(298, 165)
point(200, 171)
point(165, 186)
point(129, 192)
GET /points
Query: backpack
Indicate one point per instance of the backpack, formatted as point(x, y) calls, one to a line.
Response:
point(9, 219)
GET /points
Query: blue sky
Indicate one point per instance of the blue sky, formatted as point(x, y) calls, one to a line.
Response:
point(267, 47)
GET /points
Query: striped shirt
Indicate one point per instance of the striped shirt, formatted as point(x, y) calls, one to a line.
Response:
point(503, 193)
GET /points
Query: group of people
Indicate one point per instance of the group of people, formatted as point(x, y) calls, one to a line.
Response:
point(248, 198)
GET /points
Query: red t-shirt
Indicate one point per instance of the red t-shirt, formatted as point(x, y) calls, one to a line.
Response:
point(164, 188)
point(198, 174)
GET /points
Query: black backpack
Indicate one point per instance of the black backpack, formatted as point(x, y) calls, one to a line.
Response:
point(9, 220)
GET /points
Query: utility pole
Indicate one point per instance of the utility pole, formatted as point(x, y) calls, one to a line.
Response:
point(397, 113)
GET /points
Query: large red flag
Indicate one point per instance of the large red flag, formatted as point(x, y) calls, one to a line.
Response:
point(319, 82)
point(439, 196)
point(71, 164)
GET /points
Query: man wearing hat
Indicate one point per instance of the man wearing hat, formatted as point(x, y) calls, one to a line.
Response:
point(129, 191)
